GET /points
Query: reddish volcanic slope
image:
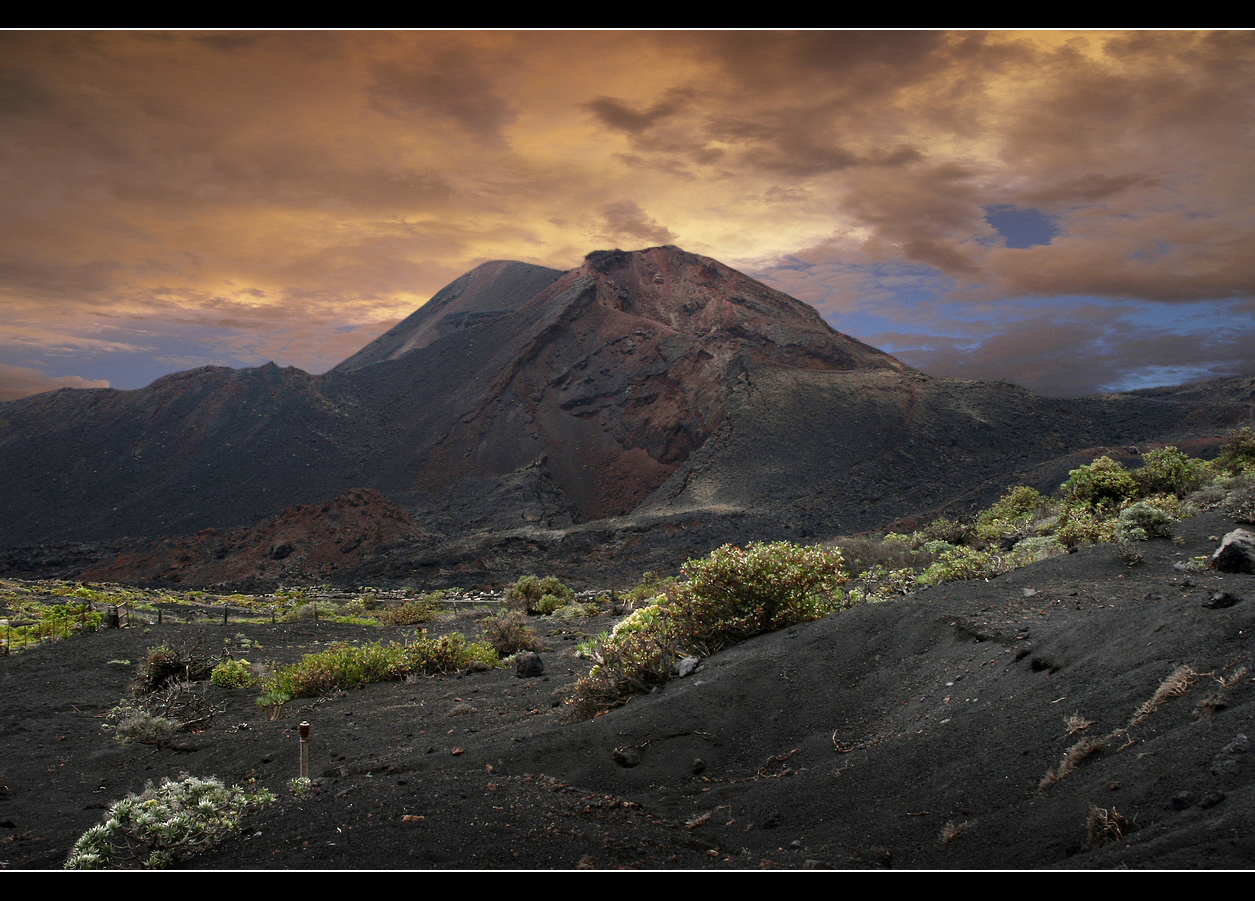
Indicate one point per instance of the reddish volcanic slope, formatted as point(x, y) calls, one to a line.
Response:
point(310, 541)
point(618, 370)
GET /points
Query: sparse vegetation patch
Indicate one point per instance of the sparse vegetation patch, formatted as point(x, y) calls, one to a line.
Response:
point(344, 666)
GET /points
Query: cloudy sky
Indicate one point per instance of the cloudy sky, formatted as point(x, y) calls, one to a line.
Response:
point(1072, 212)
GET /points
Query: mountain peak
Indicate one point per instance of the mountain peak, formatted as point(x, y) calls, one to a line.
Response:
point(704, 299)
point(488, 291)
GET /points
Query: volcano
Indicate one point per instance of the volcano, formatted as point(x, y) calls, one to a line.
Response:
point(637, 391)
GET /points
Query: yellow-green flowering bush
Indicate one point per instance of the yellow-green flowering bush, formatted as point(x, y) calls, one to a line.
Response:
point(730, 595)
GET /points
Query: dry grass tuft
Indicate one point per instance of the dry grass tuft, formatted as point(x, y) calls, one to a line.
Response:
point(1076, 723)
point(1177, 684)
point(953, 830)
point(1072, 757)
point(1105, 826)
point(1173, 687)
point(1217, 700)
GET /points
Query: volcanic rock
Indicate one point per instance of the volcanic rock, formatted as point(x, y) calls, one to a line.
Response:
point(1236, 553)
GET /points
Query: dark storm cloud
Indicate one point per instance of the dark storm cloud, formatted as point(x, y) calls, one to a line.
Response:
point(229, 42)
point(449, 86)
point(626, 221)
point(1089, 188)
point(857, 62)
point(52, 279)
point(616, 114)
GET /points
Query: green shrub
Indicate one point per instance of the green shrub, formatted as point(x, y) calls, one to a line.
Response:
point(232, 674)
point(734, 593)
point(650, 586)
point(310, 610)
point(1237, 455)
point(1035, 549)
point(344, 666)
point(531, 594)
point(961, 563)
point(1239, 502)
point(1019, 511)
point(164, 825)
point(865, 556)
point(1084, 526)
point(1018, 503)
point(340, 666)
point(411, 612)
point(880, 583)
point(575, 610)
point(1168, 471)
point(947, 530)
point(272, 701)
point(448, 653)
point(1103, 483)
point(731, 595)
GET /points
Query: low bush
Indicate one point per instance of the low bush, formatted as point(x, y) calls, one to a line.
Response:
point(164, 825)
point(1079, 526)
point(1237, 455)
point(734, 593)
point(1019, 511)
point(1237, 497)
point(410, 613)
point(950, 531)
point(1103, 483)
point(1143, 520)
point(650, 586)
point(866, 556)
point(1036, 549)
point(882, 584)
point(131, 723)
point(159, 717)
point(448, 653)
point(167, 663)
point(509, 633)
point(531, 594)
point(232, 674)
point(731, 595)
point(340, 666)
point(1169, 471)
point(962, 563)
point(310, 610)
point(344, 666)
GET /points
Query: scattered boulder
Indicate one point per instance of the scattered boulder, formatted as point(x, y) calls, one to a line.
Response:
point(528, 664)
point(1221, 599)
point(1236, 553)
point(627, 757)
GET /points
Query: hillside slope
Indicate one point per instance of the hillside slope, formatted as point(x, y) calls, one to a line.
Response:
point(909, 734)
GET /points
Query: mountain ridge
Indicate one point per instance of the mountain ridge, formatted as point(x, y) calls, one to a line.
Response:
point(654, 384)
